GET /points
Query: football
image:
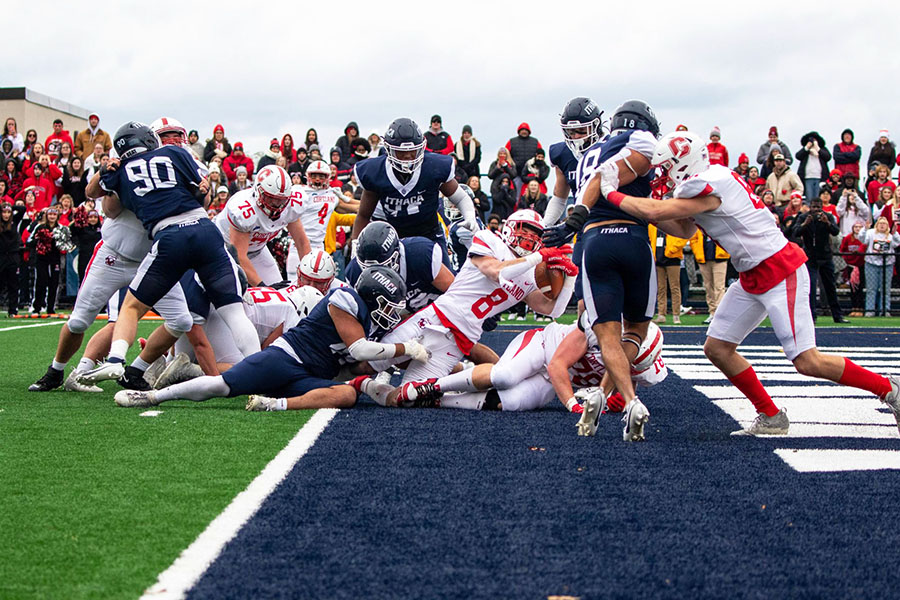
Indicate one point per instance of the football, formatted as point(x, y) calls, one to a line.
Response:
point(549, 281)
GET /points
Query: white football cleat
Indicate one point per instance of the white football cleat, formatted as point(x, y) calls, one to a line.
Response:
point(593, 405)
point(179, 370)
point(777, 424)
point(105, 372)
point(155, 370)
point(260, 403)
point(134, 398)
point(636, 416)
point(73, 385)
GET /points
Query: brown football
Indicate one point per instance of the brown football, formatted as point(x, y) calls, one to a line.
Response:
point(549, 281)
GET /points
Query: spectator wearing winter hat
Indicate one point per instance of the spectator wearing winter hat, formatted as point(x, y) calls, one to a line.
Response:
point(718, 153)
point(521, 148)
point(221, 198)
point(88, 138)
point(782, 181)
point(834, 180)
point(361, 149)
point(847, 154)
point(344, 169)
point(883, 151)
point(241, 180)
point(194, 143)
point(55, 140)
point(315, 153)
point(375, 144)
point(743, 166)
point(766, 149)
point(270, 156)
point(237, 159)
point(813, 157)
point(345, 142)
point(436, 139)
point(217, 146)
point(299, 166)
point(503, 196)
point(468, 152)
point(536, 168)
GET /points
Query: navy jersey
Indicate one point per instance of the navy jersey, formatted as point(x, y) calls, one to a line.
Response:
point(420, 262)
point(411, 207)
point(562, 157)
point(640, 141)
point(157, 184)
point(316, 341)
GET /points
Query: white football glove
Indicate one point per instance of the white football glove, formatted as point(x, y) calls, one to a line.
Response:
point(353, 245)
point(416, 351)
point(609, 177)
point(471, 224)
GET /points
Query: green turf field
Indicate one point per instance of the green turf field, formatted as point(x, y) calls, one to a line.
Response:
point(98, 500)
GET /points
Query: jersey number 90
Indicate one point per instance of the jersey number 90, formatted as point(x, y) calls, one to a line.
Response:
point(156, 174)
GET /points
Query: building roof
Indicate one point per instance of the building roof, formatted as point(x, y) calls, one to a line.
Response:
point(22, 93)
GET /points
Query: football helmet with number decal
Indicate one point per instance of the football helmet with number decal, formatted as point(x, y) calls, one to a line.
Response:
point(273, 190)
point(677, 156)
point(169, 130)
point(317, 269)
point(133, 138)
point(522, 232)
point(305, 298)
point(405, 145)
point(581, 124)
point(635, 114)
point(378, 244)
point(318, 174)
point(649, 351)
point(384, 292)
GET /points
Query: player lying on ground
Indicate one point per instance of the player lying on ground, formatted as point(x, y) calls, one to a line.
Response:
point(773, 281)
point(297, 370)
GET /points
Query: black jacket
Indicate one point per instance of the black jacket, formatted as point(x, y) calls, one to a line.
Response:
point(803, 155)
point(344, 143)
point(522, 149)
point(10, 248)
point(816, 234)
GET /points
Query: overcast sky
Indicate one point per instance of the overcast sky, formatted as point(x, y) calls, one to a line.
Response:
point(263, 69)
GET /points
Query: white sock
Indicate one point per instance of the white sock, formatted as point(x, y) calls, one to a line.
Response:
point(58, 366)
point(140, 363)
point(242, 329)
point(466, 400)
point(457, 382)
point(117, 351)
point(199, 389)
point(85, 364)
point(376, 390)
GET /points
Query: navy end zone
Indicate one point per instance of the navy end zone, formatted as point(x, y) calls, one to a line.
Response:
point(458, 504)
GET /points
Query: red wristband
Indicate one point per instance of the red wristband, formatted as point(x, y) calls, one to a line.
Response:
point(615, 198)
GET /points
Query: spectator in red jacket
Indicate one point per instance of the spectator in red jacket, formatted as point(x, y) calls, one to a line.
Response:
point(754, 180)
point(743, 166)
point(882, 179)
point(847, 154)
point(236, 159)
point(521, 148)
point(40, 184)
point(217, 146)
point(13, 176)
point(51, 173)
point(287, 148)
point(834, 180)
point(436, 139)
point(55, 140)
point(718, 153)
point(853, 248)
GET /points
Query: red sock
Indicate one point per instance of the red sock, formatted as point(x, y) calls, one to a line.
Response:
point(750, 386)
point(864, 379)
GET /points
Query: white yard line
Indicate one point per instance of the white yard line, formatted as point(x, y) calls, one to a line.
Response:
point(32, 325)
point(193, 562)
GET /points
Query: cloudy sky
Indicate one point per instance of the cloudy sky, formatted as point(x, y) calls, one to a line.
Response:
point(263, 69)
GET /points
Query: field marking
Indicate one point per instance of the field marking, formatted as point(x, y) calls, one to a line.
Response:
point(829, 461)
point(193, 562)
point(32, 325)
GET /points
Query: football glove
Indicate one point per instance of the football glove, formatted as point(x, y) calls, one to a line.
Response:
point(615, 403)
point(609, 177)
point(563, 234)
point(490, 323)
point(564, 264)
point(548, 254)
point(416, 351)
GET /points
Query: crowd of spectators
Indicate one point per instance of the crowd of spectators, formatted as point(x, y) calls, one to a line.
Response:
point(848, 227)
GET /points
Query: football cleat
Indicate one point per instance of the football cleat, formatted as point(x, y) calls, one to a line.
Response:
point(260, 403)
point(179, 370)
point(892, 398)
point(357, 382)
point(105, 372)
point(136, 399)
point(636, 416)
point(419, 394)
point(593, 406)
point(155, 370)
point(777, 424)
point(133, 379)
point(51, 380)
point(73, 385)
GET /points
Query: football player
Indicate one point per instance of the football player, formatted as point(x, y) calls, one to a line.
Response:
point(161, 185)
point(317, 270)
point(297, 370)
point(406, 183)
point(256, 215)
point(773, 279)
point(618, 277)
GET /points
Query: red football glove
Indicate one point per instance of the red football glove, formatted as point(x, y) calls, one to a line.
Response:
point(615, 403)
point(548, 253)
point(577, 409)
point(563, 263)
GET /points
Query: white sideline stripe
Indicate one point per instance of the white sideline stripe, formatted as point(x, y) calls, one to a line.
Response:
point(174, 582)
point(818, 461)
point(32, 325)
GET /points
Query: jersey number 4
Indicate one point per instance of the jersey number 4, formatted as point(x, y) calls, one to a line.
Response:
point(156, 174)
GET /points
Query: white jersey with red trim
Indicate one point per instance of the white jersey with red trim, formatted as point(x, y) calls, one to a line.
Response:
point(243, 213)
point(472, 297)
point(316, 207)
point(126, 236)
point(741, 225)
point(335, 284)
point(270, 308)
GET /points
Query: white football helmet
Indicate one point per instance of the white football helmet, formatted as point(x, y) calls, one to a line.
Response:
point(317, 269)
point(273, 190)
point(649, 350)
point(522, 232)
point(678, 156)
point(322, 172)
point(305, 299)
point(169, 130)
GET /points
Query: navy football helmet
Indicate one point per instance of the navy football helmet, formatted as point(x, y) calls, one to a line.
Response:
point(132, 138)
point(378, 244)
point(451, 210)
point(635, 114)
point(384, 293)
point(403, 135)
point(581, 118)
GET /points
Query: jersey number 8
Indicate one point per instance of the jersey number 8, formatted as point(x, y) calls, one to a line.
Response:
point(156, 174)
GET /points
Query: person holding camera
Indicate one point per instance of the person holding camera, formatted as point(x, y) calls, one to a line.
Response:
point(816, 228)
point(881, 243)
point(851, 208)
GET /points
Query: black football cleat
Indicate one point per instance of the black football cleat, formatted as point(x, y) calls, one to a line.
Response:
point(51, 380)
point(133, 379)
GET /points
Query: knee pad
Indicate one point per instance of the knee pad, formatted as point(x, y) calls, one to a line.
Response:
point(180, 325)
point(502, 379)
point(77, 322)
